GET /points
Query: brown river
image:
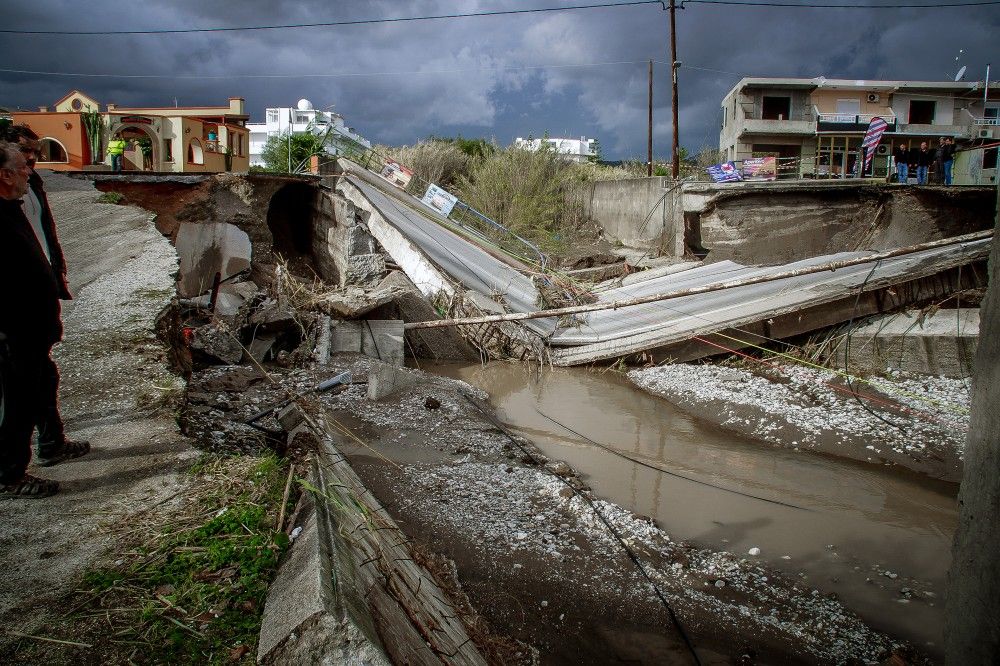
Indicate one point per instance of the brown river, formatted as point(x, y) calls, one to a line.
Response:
point(877, 538)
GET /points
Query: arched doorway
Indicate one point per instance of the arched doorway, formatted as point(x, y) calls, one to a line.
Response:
point(141, 148)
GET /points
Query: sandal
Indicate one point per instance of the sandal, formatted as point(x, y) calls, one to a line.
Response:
point(30, 486)
point(71, 448)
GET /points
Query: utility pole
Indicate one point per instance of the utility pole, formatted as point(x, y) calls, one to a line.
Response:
point(676, 170)
point(649, 142)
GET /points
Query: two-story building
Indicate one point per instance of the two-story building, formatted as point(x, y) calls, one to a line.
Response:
point(573, 150)
point(203, 139)
point(279, 121)
point(816, 126)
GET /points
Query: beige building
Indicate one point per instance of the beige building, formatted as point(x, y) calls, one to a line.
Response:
point(815, 126)
point(164, 139)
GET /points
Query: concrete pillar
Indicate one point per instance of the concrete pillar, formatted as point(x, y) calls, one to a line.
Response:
point(972, 632)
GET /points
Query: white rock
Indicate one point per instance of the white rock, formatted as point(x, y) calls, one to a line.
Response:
point(755, 551)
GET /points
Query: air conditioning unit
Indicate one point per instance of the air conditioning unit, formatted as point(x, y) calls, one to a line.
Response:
point(873, 98)
point(986, 133)
point(883, 149)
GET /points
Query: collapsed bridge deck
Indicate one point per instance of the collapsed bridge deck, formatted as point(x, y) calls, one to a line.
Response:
point(664, 324)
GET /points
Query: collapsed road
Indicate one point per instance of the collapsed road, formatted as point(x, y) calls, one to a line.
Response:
point(497, 515)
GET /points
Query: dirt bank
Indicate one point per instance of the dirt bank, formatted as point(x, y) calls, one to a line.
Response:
point(917, 422)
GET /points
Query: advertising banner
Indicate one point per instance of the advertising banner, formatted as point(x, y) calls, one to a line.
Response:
point(396, 174)
point(760, 168)
point(724, 173)
point(439, 200)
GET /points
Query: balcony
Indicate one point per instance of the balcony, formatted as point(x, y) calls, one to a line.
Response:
point(843, 122)
point(790, 127)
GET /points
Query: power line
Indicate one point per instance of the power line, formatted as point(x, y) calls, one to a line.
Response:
point(328, 24)
point(807, 5)
point(322, 75)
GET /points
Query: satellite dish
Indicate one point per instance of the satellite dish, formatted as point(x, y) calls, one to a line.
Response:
point(961, 73)
point(306, 105)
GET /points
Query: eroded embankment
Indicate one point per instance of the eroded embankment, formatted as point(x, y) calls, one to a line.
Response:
point(775, 223)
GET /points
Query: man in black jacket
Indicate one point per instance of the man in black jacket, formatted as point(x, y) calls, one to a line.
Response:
point(901, 155)
point(53, 447)
point(924, 158)
point(29, 325)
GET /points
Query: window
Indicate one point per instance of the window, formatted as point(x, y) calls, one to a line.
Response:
point(52, 151)
point(301, 117)
point(272, 115)
point(195, 153)
point(921, 112)
point(990, 158)
point(991, 115)
point(776, 108)
point(168, 150)
point(76, 104)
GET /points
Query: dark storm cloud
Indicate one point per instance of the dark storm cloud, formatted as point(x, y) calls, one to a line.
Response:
point(478, 76)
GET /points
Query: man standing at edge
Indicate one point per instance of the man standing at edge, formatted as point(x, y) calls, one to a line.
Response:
point(29, 326)
point(901, 155)
point(924, 159)
point(53, 447)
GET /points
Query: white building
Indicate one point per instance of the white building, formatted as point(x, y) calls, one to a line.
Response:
point(304, 118)
point(576, 150)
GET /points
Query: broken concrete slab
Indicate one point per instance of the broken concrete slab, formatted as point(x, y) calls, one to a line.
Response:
point(385, 380)
point(445, 344)
point(942, 343)
point(345, 337)
point(208, 248)
point(261, 346)
point(217, 344)
point(365, 269)
point(352, 302)
point(273, 316)
point(303, 622)
point(381, 339)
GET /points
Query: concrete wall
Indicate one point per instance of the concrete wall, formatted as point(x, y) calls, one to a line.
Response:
point(641, 212)
point(772, 223)
point(972, 633)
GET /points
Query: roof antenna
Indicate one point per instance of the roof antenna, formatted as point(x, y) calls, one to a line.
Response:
point(961, 71)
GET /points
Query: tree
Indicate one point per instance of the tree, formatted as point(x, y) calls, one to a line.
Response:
point(596, 156)
point(304, 146)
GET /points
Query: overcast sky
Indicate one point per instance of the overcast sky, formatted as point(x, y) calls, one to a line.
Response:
point(571, 73)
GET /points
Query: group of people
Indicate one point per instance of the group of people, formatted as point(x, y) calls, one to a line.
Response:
point(919, 161)
point(32, 284)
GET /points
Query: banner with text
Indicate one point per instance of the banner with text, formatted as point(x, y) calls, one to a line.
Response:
point(724, 173)
point(396, 174)
point(760, 168)
point(439, 200)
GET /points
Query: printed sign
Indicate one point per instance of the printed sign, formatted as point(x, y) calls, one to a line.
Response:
point(439, 200)
point(396, 174)
point(724, 173)
point(760, 168)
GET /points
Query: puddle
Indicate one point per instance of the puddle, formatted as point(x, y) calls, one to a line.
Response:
point(855, 523)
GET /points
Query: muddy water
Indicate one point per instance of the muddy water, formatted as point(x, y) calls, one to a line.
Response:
point(849, 526)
